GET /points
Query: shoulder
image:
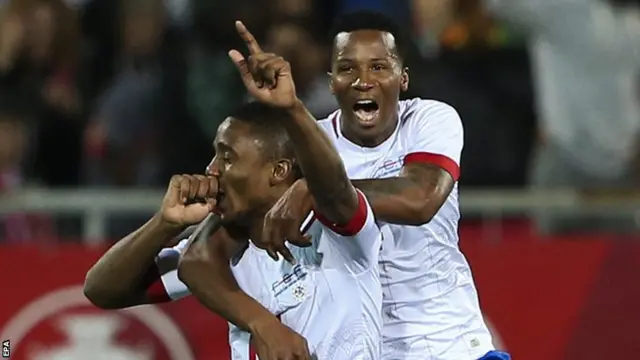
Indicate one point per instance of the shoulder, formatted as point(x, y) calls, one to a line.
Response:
point(419, 110)
point(419, 115)
point(329, 123)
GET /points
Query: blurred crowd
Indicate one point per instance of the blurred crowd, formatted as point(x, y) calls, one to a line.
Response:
point(123, 93)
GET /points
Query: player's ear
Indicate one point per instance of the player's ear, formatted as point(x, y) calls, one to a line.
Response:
point(404, 80)
point(281, 171)
point(333, 92)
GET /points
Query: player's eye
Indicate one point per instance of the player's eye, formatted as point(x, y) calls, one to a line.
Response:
point(345, 68)
point(226, 157)
point(378, 67)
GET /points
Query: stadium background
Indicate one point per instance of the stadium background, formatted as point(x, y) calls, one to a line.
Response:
point(101, 100)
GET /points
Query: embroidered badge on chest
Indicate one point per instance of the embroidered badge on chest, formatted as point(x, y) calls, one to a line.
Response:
point(299, 291)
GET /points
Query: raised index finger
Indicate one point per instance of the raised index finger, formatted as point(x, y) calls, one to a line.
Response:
point(252, 44)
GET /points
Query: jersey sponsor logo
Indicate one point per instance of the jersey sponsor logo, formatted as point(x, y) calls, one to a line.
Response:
point(63, 324)
point(297, 274)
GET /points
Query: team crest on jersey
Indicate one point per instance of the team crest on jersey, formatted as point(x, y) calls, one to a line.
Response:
point(294, 277)
point(299, 292)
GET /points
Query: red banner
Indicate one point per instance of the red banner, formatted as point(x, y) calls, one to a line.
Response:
point(560, 300)
point(45, 315)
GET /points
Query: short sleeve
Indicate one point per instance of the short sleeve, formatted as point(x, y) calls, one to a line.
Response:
point(239, 342)
point(357, 244)
point(164, 284)
point(435, 136)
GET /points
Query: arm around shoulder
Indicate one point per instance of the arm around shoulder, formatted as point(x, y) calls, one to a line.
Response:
point(430, 169)
point(205, 268)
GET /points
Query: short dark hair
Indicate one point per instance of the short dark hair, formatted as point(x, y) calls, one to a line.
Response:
point(371, 20)
point(266, 122)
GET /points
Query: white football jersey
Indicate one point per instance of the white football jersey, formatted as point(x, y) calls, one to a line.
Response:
point(430, 304)
point(332, 296)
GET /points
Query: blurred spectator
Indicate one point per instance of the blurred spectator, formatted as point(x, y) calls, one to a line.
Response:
point(399, 11)
point(39, 45)
point(122, 137)
point(587, 57)
point(308, 60)
point(14, 119)
point(481, 67)
point(213, 85)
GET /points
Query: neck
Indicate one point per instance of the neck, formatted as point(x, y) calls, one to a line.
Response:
point(371, 141)
point(255, 221)
point(256, 227)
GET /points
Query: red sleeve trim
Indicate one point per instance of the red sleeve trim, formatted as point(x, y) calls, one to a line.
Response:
point(442, 161)
point(156, 292)
point(354, 225)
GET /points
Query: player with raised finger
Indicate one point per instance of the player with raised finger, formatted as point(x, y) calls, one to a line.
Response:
point(329, 293)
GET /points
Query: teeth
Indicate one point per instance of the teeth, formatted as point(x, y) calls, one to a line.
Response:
point(366, 116)
point(364, 102)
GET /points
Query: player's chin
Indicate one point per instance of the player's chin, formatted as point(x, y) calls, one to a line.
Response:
point(228, 217)
point(366, 124)
point(224, 209)
point(367, 120)
point(232, 216)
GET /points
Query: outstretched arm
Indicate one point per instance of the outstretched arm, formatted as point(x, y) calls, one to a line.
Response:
point(334, 195)
point(268, 78)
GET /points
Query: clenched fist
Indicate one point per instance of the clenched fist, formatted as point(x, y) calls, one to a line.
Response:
point(189, 199)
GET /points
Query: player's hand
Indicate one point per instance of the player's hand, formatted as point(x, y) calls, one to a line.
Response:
point(282, 223)
point(266, 76)
point(189, 199)
point(273, 340)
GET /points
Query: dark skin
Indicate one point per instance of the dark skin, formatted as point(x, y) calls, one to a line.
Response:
point(118, 279)
point(250, 184)
point(412, 198)
point(204, 268)
point(366, 65)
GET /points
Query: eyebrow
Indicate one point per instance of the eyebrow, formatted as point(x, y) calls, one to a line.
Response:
point(223, 146)
point(347, 59)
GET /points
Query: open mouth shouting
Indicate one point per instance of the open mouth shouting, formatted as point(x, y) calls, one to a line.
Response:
point(366, 111)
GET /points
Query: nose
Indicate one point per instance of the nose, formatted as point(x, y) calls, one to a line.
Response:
point(363, 81)
point(213, 169)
